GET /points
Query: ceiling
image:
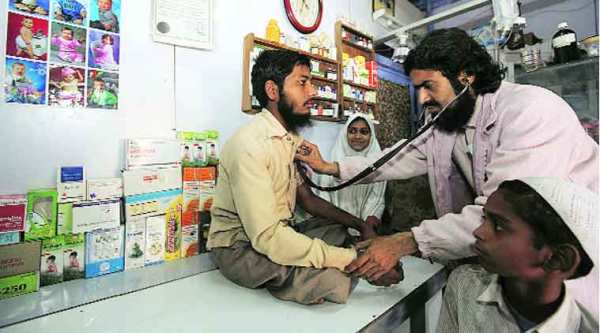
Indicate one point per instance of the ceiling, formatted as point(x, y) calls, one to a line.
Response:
point(422, 4)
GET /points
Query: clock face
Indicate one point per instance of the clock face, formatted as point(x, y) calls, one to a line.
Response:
point(305, 15)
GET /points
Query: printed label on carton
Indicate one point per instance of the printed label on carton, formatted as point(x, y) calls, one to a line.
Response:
point(146, 180)
point(51, 261)
point(19, 258)
point(70, 191)
point(150, 204)
point(71, 174)
point(41, 214)
point(189, 241)
point(135, 243)
point(13, 210)
point(92, 215)
point(104, 252)
point(104, 188)
point(10, 238)
point(64, 224)
point(151, 152)
point(155, 240)
point(74, 257)
point(173, 240)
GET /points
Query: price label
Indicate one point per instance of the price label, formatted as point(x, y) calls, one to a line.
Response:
point(18, 284)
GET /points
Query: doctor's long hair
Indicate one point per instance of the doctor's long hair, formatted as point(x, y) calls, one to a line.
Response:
point(452, 51)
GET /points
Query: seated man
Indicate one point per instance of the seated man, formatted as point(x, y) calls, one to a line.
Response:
point(258, 186)
point(536, 233)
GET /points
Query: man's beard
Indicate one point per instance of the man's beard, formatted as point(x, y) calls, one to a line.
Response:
point(458, 113)
point(293, 121)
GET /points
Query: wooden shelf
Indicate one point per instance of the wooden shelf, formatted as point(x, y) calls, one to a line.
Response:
point(356, 46)
point(275, 45)
point(319, 78)
point(350, 99)
point(355, 31)
point(319, 98)
point(359, 85)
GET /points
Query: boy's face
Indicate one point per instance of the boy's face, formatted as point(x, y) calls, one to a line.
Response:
point(28, 23)
point(67, 34)
point(105, 5)
point(505, 243)
point(18, 69)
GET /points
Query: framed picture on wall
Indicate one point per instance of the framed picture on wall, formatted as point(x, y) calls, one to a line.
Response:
point(388, 5)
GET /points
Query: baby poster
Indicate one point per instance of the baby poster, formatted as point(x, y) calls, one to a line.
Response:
point(65, 86)
point(25, 81)
point(38, 7)
point(103, 51)
point(70, 11)
point(105, 14)
point(27, 37)
point(102, 90)
point(67, 44)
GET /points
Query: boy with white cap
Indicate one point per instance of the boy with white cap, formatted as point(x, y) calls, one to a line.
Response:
point(536, 233)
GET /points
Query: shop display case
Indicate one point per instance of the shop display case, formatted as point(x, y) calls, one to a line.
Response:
point(576, 82)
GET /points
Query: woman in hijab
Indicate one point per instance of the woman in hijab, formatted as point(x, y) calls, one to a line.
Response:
point(365, 201)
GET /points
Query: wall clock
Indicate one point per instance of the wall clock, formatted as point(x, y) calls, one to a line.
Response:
point(304, 15)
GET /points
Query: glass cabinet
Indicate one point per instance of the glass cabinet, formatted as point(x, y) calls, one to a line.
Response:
point(576, 83)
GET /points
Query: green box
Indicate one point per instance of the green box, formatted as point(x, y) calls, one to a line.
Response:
point(41, 214)
point(19, 284)
point(74, 257)
point(65, 219)
point(51, 262)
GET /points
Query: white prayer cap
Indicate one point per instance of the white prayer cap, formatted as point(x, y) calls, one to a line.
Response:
point(576, 205)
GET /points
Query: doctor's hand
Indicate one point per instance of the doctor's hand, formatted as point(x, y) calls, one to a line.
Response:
point(381, 255)
point(309, 153)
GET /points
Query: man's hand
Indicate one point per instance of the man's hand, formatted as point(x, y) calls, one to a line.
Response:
point(309, 153)
point(381, 255)
point(367, 231)
point(394, 276)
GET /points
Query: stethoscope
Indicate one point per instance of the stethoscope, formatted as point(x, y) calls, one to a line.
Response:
point(385, 158)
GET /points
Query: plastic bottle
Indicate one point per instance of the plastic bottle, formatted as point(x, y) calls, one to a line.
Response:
point(564, 43)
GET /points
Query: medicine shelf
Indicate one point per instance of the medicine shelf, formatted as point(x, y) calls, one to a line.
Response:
point(362, 86)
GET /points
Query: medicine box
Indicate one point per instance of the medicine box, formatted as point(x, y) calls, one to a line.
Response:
point(155, 240)
point(93, 215)
point(146, 180)
point(10, 238)
point(104, 252)
point(151, 152)
point(189, 241)
point(70, 183)
point(173, 233)
point(64, 221)
point(151, 204)
point(20, 284)
point(104, 188)
point(13, 209)
point(19, 258)
point(51, 260)
point(135, 243)
point(74, 257)
point(41, 214)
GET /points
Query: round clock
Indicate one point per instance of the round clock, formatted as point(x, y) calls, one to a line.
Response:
point(304, 15)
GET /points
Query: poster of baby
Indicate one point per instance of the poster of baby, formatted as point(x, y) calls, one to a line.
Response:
point(105, 14)
point(67, 44)
point(65, 86)
point(25, 81)
point(70, 11)
point(103, 51)
point(38, 7)
point(27, 37)
point(102, 90)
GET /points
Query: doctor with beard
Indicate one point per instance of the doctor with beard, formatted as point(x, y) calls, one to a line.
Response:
point(493, 132)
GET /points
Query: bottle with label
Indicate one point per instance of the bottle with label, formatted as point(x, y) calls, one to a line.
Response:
point(564, 43)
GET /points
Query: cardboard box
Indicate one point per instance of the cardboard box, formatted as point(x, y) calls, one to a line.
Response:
point(135, 243)
point(13, 209)
point(104, 188)
point(41, 214)
point(104, 252)
point(151, 204)
point(155, 240)
point(19, 258)
point(189, 241)
point(151, 152)
point(147, 180)
point(173, 236)
point(207, 194)
point(74, 257)
point(70, 183)
point(200, 174)
point(10, 238)
point(191, 203)
point(64, 221)
point(93, 215)
point(21, 284)
point(51, 261)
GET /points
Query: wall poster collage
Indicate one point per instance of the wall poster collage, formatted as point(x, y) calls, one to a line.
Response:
point(63, 53)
